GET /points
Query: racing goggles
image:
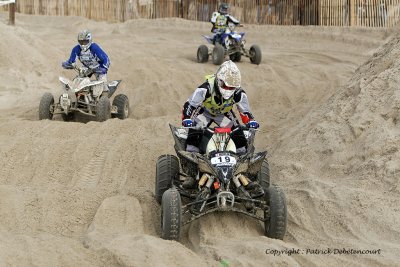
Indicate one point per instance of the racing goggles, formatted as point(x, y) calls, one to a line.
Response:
point(229, 88)
point(83, 42)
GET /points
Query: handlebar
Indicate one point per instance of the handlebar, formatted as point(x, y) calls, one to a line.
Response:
point(212, 129)
point(81, 71)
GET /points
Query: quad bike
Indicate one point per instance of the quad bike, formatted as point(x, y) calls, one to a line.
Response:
point(224, 181)
point(231, 44)
point(85, 96)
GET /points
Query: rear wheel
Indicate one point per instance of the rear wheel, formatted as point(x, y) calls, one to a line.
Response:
point(255, 54)
point(202, 54)
point(122, 103)
point(218, 54)
point(103, 110)
point(171, 207)
point(167, 170)
point(276, 220)
point(46, 107)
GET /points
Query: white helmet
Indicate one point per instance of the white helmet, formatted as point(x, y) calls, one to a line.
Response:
point(85, 39)
point(228, 79)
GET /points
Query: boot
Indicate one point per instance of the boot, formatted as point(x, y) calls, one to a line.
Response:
point(189, 183)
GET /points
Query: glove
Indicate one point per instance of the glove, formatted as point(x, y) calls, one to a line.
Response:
point(187, 123)
point(253, 124)
point(100, 70)
point(67, 65)
point(83, 72)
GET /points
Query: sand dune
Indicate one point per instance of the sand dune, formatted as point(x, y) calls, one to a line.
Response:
point(82, 193)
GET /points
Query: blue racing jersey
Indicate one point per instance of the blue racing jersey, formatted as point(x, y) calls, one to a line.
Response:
point(92, 58)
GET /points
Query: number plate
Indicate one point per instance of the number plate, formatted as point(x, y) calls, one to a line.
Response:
point(223, 160)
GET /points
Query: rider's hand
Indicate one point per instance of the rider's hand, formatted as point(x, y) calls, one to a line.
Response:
point(67, 65)
point(253, 124)
point(83, 72)
point(187, 123)
point(100, 70)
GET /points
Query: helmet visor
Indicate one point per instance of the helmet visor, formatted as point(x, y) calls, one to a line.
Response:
point(83, 42)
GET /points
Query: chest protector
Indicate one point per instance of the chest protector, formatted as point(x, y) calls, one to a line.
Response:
point(211, 105)
point(88, 59)
point(221, 21)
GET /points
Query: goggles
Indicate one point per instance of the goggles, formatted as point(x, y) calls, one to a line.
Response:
point(83, 42)
point(229, 88)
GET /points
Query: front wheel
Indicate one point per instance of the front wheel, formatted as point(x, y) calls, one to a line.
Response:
point(167, 170)
point(46, 107)
point(276, 218)
point(202, 54)
point(122, 103)
point(103, 110)
point(218, 54)
point(171, 207)
point(255, 54)
point(263, 177)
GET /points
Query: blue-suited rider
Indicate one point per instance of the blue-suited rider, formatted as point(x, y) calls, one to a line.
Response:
point(91, 56)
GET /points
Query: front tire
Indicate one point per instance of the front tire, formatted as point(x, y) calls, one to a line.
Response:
point(263, 177)
point(275, 225)
point(202, 54)
point(218, 54)
point(46, 107)
point(171, 207)
point(167, 170)
point(103, 110)
point(255, 54)
point(122, 103)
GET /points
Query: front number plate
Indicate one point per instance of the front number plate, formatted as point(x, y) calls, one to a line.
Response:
point(223, 160)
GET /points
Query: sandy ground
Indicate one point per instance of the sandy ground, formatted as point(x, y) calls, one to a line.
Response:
point(81, 194)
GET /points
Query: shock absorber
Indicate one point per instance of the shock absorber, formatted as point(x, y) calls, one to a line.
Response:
point(203, 179)
point(243, 179)
point(210, 181)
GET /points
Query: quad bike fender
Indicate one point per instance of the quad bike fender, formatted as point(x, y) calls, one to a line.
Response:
point(86, 82)
point(112, 87)
point(205, 167)
point(65, 81)
point(209, 39)
point(180, 135)
point(188, 156)
point(256, 161)
point(188, 161)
